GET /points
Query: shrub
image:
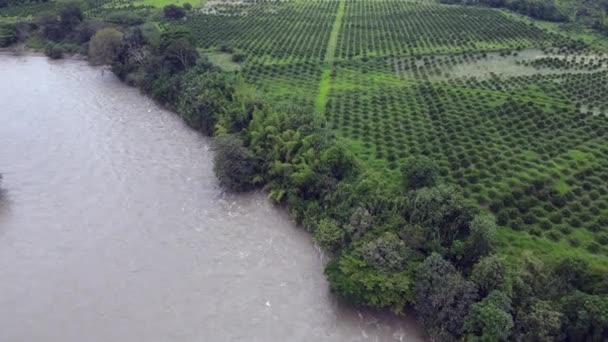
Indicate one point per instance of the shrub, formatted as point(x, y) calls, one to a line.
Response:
point(419, 172)
point(329, 235)
point(104, 46)
point(125, 18)
point(234, 165)
point(174, 12)
point(54, 51)
point(238, 57)
point(490, 273)
point(490, 319)
point(387, 252)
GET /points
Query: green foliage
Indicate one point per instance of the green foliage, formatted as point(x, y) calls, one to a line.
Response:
point(70, 15)
point(8, 35)
point(233, 164)
point(419, 172)
point(54, 51)
point(481, 240)
point(442, 298)
point(125, 18)
point(104, 46)
point(205, 96)
point(178, 50)
point(453, 94)
point(443, 212)
point(490, 273)
point(585, 317)
point(329, 235)
point(490, 320)
point(174, 12)
point(387, 252)
point(351, 277)
point(541, 323)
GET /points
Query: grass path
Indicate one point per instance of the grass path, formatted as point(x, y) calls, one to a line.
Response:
point(328, 61)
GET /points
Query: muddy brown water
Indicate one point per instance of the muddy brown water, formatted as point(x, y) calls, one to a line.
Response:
point(113, 228)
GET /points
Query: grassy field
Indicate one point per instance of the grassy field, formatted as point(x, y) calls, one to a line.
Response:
point(513, 110)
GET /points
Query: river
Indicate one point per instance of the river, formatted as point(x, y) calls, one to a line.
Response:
point(113, 228)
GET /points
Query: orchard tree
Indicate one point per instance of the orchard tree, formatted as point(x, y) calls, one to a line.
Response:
point(419, 172)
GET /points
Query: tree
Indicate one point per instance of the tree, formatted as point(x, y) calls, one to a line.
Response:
point(351, 277)
point(541, 322)
point(50, 28)
point(585, 317)
point(388, 252)
point(178, 50)
point(53, 51)
point(419, 172)
point(442, 297)
point(205, 96)
point(572, 274)
point(329, 235)
point(187, 6)
point(70, 16)
point(481, 240)
point(490, 320)
point(490, 273)
point(8, 35)
point(104, 46)
point(443, 212)
point(234, 165)
point(174, 12)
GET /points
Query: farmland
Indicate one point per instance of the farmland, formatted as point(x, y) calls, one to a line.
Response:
point(514, 114)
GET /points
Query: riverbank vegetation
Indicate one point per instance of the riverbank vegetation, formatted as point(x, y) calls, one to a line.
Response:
point(451, 158)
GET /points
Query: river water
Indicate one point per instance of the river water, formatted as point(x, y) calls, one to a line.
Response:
point(113, 228)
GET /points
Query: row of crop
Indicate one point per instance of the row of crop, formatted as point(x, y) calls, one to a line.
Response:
point(396, 28)
point(293, 31)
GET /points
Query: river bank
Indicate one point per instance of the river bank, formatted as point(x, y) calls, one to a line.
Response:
point(115, 219)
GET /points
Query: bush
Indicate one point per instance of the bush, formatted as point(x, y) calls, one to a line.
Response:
point(54, 51)
point(387, 252)
point(8, 35)
point(174, 12)
point(125, 18)
point(234, 165)
point(329, 235)
point(350, 277)
point(238, 57)
point(419, 172)
point(104, 46)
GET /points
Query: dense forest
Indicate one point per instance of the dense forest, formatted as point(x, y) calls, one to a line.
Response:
point(406, 225)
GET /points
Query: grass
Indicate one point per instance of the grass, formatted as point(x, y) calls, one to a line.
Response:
point(328, 61)
point(222, 60)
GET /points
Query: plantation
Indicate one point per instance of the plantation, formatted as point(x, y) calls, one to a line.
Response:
point(513, 114)
point(454, 115)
